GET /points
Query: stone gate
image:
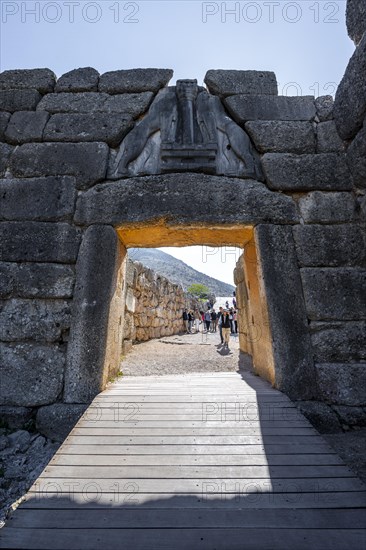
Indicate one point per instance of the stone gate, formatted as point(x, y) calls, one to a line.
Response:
point(94, 164)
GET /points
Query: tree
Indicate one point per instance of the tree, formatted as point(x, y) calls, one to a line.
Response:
point(198, 290)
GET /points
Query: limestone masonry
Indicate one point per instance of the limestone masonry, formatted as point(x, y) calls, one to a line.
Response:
point(153, 305)
point(70, 206)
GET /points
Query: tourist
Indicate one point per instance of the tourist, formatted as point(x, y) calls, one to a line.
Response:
point(231, 319)
point(236, 322)
point(197, 320)
point(213, 321)
point(185, 320)
point(219, 322)
point(202, 313)
point(190, 321)
point(226, 328)
point(208, 320)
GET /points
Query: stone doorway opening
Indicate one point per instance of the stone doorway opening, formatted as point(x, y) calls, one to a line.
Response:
point(266, 277)
point(253, 321)
point(162, 235)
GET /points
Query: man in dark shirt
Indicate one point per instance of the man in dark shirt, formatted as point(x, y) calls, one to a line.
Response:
point(219, 321)
point(185, 320)
point(226, 328)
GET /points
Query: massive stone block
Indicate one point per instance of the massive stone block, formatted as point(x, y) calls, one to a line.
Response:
point(329, 245)
point(84, 127)
point(92, 102)
point(324, 108)
point(145, 199)
point(14, 417)
point(294, 368)
point(4, 119)
point(86, 161)
point(26, 126)
point(97, 269)
point(28, 280)
point(350, 99)
point(265, 107)
point(334, 293)
point(43, 199)
point(31, 374)
point(38, 320)
point(42, 80)
point(319, 207)
point(282, 137)
point(38, 242)
point(322, 417)
point(342, 384)
point(328, 140)
point(356, 158)
point(338, 341)
point(351, 416)
point(19, 100)
point(134, 80)
point(228, 82)
point(356, 19)
point(131, 273)
point(307, 172)
point(5, 152)
point(56, 421)
point(78, 80)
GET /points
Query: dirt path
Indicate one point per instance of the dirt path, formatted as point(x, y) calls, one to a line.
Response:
point(183, 354)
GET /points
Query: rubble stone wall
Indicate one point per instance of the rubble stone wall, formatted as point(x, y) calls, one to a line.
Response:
point(153, 306)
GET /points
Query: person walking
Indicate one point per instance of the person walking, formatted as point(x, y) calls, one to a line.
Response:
point(208, 320)
point(197, 320)
point(236, 322)
point(185, 320)
point(231, 319)
point(214, 321)
point(219, 322)
point(190, 321)
point(226, 327)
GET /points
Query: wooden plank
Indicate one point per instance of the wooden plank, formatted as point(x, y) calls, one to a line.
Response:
point(206, 539)
point(108, 429)
point(198, 397)
point(219, 499)
point(133, 411)
point(193, 449)
point(115, 439)
point(197, 406)
point(140, 518)
point(124, 471)
point(134, 415)
point(123, 421)
point(175, 398)
point(192, 460)
point(231, 485)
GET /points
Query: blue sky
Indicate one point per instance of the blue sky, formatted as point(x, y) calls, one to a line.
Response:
point(305, 43)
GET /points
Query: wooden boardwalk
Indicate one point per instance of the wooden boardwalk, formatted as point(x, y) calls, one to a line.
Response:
point(201, 461)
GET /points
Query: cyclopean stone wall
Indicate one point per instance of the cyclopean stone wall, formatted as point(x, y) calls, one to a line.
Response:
point(340, 343)
point(153, 306)
point(62, 228)
point(54, 141)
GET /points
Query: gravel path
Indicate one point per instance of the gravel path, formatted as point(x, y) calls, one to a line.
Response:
point(182, 354)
